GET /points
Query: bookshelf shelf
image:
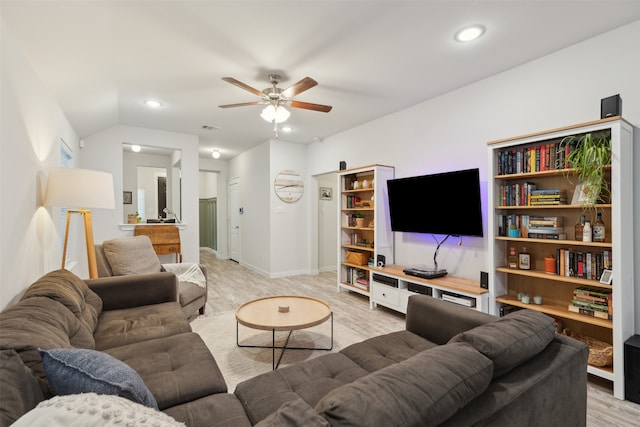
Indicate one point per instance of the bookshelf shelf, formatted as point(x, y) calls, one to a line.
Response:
point(517, 165)
point(371, 239)
point(556, 311)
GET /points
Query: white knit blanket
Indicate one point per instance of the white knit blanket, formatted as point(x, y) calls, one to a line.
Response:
point(187, 272)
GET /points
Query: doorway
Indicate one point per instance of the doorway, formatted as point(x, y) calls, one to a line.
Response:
point(234, 219)
point(209, 223)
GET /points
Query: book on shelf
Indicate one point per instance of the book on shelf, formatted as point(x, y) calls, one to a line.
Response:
point(362, 284)
point(593, 313)
point(545, 230)
point(546, 221)
point(548, 236)
point(590, 305)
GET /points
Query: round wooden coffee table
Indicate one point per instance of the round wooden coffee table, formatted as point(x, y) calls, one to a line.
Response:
point(283, 313)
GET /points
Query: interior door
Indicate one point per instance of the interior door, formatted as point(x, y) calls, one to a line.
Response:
point(234, 219)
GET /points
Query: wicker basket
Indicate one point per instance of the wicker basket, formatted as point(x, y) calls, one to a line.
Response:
point(600, 353)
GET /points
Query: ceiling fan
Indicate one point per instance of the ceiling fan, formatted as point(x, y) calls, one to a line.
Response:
point(275, 97)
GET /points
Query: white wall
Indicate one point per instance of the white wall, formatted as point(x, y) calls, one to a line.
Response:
point(327, 222)
point(103, 151)
point(290, 222)
point(208, 185)
point(31, 128)
point(255, 188)
point(451, 132)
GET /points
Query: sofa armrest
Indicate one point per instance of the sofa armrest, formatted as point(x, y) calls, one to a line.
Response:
point(118, 292)
point(438, 321)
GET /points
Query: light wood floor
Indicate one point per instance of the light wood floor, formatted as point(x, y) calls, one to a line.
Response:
point(231, 285)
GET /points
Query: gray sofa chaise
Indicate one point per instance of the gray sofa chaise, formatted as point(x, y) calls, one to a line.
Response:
point(451, 366)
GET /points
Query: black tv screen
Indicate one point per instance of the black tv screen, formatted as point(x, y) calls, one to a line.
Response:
point(442, 203)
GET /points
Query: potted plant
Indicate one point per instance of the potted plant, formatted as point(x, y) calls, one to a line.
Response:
point(359, 219)
point(133, 218)
point(590, 153)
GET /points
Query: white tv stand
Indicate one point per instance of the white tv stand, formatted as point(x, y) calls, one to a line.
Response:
point(455, 289)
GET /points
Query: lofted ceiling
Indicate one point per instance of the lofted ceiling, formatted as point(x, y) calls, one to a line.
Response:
point(102, 59)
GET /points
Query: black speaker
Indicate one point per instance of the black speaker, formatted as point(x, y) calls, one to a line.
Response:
point(381, 260)
point(632, 369)
point(611, 106)
point(343, 165)
point(484, 280)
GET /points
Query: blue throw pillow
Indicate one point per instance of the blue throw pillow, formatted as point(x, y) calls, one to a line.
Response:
point(74, 370)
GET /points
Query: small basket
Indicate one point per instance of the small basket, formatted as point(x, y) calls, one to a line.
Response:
point(600, 353)
point(357, 258)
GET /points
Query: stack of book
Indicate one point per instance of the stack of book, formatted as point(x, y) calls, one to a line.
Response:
point(547, 197)
point(546, 227)
point(592, 302)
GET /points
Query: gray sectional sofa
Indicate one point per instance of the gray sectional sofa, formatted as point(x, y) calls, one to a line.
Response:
point(451, 366)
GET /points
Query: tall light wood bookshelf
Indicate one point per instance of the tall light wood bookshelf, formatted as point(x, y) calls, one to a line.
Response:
point(360, 244)
point(556, 289)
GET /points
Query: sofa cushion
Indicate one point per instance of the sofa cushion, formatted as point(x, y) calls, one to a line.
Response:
point(91, 409)
point(214, 410)
point(309, 380)
point(72, 292)
point(73, 371)
point(424, 390)
point(21, 390)
point(296, 413)
point(142, 323)
point(177, 369)
point(384, 350)
point(511, 340)
point(131, 255)
point(39, 322)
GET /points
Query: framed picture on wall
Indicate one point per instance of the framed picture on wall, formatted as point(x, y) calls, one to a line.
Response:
point(325, 193)
point(127, 197)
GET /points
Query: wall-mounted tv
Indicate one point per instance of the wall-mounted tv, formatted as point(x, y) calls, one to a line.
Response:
point(442, 203)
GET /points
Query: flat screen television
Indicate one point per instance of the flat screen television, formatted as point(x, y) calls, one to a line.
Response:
point(442, 203)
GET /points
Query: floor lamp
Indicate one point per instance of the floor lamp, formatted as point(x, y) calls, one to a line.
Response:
point(78, 190)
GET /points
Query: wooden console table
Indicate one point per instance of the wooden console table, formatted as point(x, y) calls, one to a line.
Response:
point(165, 239)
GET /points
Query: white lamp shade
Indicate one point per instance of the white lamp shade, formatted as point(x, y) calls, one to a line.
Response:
point(271, 113)
point(79, 188)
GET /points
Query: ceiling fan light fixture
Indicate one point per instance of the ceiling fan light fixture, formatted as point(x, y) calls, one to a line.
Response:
point(272, 113)
point(470, 33)
point(215, 154)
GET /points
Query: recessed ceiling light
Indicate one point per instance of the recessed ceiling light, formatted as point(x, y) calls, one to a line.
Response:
point(287, 129)
point(135, 148)
point(215, 154)
point(153, 103)
point(470, 33)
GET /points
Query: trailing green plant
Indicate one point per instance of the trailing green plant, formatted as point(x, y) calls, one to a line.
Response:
point(590, 154)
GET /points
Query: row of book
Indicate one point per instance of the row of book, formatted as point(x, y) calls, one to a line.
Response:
point(592, 302)
point(541, 157)
point(357, 277)
point(353, 202)
point(526, 194)
point(584, 265)
point(530, 226)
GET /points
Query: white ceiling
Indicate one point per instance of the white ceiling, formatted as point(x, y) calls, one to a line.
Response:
point(101, 59)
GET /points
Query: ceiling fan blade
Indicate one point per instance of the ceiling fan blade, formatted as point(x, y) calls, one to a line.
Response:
point(243, 86)
point(301, 86)
point(310, 106)
point(242, 104)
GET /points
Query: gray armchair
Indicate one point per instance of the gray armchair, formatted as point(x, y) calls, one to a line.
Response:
point(135, 255)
